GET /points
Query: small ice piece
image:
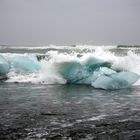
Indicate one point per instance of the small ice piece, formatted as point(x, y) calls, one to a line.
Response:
point(4, 66)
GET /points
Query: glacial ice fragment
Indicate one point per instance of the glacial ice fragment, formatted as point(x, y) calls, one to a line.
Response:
point(4, 66)
point(25, 63)
point(115, 81)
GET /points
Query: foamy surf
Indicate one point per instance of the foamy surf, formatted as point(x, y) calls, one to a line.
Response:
point(61, 67)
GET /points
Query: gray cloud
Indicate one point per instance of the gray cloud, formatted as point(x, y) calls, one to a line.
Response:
point(60, 22)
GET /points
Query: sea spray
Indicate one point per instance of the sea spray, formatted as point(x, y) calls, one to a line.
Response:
point(75, 66)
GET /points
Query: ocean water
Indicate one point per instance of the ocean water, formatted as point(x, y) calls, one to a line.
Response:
point(50, 93)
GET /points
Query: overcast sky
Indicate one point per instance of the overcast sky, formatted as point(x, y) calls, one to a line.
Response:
point(65, 22)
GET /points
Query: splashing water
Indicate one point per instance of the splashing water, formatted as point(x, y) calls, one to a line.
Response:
point(99, 67)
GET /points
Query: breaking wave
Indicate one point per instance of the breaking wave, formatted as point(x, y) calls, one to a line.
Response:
point(99, 68)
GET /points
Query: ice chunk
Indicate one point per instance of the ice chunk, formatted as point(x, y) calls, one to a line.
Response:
point(4, 66)
point(71, 71)
point(115, 81)
point(106, 82)
point(130, 77)
point(96, 73)
point(25, 63)
point(106, 71)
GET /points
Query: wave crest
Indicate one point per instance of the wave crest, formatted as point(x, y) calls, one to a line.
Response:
point(101, 69)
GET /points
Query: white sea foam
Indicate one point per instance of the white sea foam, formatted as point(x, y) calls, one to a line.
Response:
point(48, 72)
point(59, 47)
